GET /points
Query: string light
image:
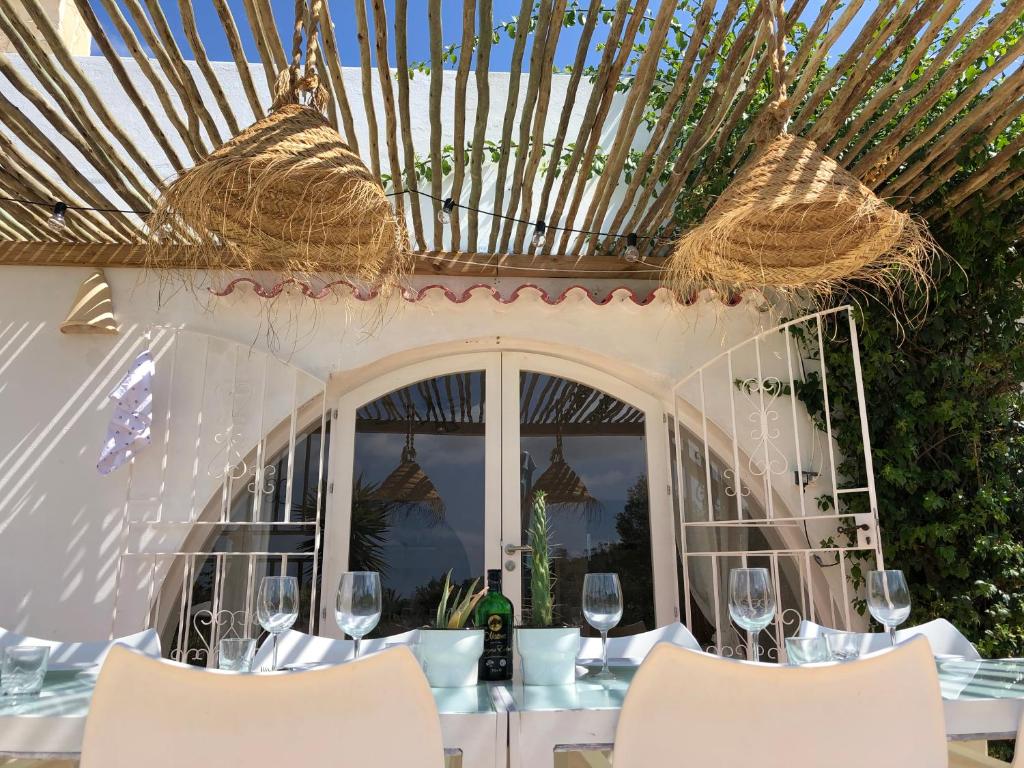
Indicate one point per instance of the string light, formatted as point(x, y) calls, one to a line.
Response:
point(56, 221)
point(537, 241)
point(444, 213)
point(632, 253)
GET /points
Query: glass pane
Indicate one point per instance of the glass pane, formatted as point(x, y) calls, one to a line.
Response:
point(586, 450)
point(418, 493)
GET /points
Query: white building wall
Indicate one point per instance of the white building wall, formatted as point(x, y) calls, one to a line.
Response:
point(60, 521)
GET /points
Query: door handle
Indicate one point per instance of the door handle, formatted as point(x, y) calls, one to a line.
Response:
point(511, 549)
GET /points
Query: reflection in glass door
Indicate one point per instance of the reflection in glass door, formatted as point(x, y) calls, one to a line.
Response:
point(418, 489)
point(585, 451)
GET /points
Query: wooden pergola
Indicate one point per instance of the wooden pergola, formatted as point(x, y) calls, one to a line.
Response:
point(909, 106)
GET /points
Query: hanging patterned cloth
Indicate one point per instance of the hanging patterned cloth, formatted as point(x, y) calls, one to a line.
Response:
point(286, 194)
point(795, 220)
point(129, 429)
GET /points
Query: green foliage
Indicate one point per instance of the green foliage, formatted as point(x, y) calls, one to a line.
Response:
point(946, 415)
point(454, 608)
point(541, 602)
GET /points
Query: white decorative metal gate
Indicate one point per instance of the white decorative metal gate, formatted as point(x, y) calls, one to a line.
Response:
point(231, 489)
point(756, 476)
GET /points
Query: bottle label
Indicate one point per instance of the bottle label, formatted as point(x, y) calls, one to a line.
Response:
point(497, 656)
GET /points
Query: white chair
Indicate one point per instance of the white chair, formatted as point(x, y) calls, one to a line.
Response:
point(636, 647)
point(377, 711)
point(91, 652)
point(294, 647)
point(945, 639)
point(710, 711)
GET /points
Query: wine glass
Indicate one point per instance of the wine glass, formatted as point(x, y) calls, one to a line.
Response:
point(888, 599)
point(751, 603)
point(358, 606)
point(277, 606)
point(602, 608)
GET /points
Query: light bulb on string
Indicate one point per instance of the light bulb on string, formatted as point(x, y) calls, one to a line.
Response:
point(56, 221)
point(632, 253)
point(537, 241)
point(444, 213)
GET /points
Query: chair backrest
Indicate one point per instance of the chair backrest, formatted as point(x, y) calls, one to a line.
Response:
point(377, 711)
point(944, 638)
point(90, 652)
point(296, 647)
point(708, 710)
point(636, 647)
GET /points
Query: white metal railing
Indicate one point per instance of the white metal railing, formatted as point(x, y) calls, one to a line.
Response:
point(756, 482)
point(234, 491)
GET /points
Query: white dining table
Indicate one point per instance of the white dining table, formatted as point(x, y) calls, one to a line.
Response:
point(501, 724)
point(474, 722)
point(982, 700)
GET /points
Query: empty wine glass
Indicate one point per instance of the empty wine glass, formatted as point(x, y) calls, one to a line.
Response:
point(888, 599)
point(751, 603)
point(277, 606)
point(358, 606)
point(602, 608)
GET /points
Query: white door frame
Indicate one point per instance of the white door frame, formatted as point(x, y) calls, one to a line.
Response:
point(338, 529)
point(501, 482)
point(663, 563)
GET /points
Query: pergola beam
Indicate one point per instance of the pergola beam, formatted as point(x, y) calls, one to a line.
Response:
point(441, 263)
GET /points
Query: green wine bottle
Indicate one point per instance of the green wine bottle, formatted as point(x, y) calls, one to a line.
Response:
point(494, 616)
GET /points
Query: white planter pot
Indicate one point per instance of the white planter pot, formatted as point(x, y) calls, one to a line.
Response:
point(450, 656)
point(549, 655)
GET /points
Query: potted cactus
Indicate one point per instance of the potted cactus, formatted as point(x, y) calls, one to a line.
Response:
point(548, 653)
point(448, 651)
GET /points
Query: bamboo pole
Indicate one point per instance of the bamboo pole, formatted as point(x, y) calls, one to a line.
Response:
point(188, 22)
point(380, 28)
point(531, 126)
point(337, 79)
point(436, 86)
point(483, 106)
point(511, 108)
point(363, 34)
point(409, 151)
point(227, 22)
point(459, 117)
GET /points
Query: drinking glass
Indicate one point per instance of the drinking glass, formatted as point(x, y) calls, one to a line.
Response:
point(602, 608)
point(888, 599)
point(806, 650)
point(235, 654)
point(751, 603)
point(358, 607)
point(24, 668)
point(277, 606)
point(843, 646)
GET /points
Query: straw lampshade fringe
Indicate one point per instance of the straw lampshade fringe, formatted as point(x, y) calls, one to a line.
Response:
point(794, 220)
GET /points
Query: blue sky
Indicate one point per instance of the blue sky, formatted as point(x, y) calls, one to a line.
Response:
point(344, 18)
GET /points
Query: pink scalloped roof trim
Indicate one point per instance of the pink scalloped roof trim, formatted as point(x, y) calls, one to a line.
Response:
point(413, 296)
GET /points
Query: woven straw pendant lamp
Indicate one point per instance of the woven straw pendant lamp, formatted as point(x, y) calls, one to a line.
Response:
point(285, 195)
point(793, 219)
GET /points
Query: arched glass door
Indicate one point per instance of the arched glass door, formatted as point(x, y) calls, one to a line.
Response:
point(438, 465)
